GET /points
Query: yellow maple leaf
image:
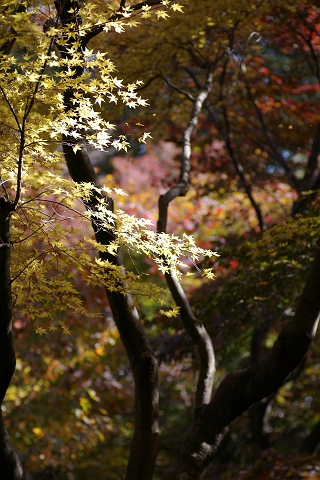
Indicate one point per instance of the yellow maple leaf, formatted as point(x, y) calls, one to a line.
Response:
point(41, 330)
point(176, 7)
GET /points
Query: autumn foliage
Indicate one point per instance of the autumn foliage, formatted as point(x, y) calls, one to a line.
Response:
point(159, 224)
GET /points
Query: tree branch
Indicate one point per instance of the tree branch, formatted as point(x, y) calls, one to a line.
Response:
point(181, 187)
point(202, 340)
point(178, 89)
point(239, 168)
point(259, 411)
point(145, 85)
point(10, 463)
point(143, 362)
point(117, 16)
point(192, 325)
point(278, 155)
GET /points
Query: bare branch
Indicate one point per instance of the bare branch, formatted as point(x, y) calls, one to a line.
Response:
point(192, 325)
point(178, 89)
point(145, 85)
point(202, 340)
point(181, 187)
point(277, 152)
point(240, 171)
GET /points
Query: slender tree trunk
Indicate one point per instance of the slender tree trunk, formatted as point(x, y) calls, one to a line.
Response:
point(144, 365)
point(10, 464)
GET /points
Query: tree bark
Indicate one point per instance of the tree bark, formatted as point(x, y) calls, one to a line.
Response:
point(242, 388)
point(312, 442)
point(202, 341)
point(259, 415)
point(193, 326)
point(144, 365)
point(143, 362)
point(311, 179)
point(10, 464)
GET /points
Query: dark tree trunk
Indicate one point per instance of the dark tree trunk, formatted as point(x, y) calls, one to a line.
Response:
point(311, 181)
point(259, 415)
point(10, 464)
point(144, 365)
point(312, 442)
point(259, 412)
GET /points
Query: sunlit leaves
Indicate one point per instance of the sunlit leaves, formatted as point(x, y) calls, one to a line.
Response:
point(144, 137)
point(177, 8)
point(49, 255)
point(173, 312)
point(162, 14)
point(40, 330)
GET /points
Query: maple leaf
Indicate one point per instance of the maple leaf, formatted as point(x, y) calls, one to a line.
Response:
point(208, 273)
point(40, 331)
point(176, 7)
point(119, 191)
point(99, 99)
point(66, 330)
point(173, 312)
point(76, 147)
point(162, 14)
point(144, 137)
